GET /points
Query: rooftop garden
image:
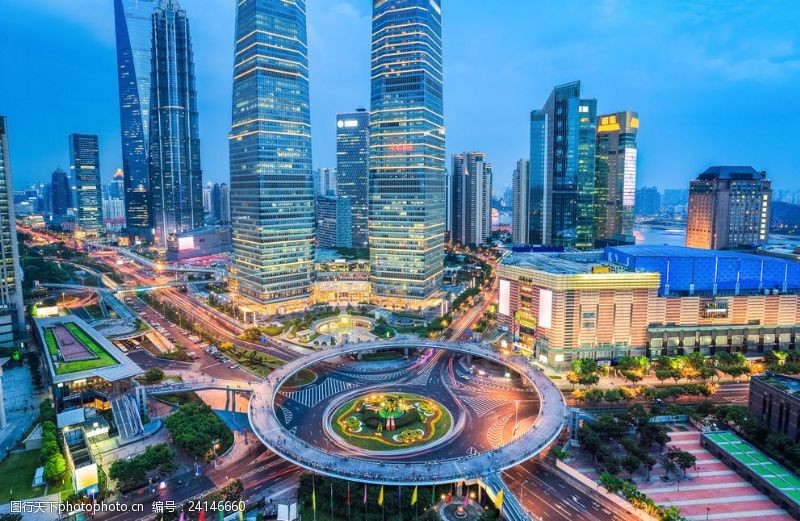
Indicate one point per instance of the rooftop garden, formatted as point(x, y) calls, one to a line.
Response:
point(102, 357)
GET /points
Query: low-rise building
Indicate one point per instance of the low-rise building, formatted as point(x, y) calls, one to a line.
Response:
point(648, 300)
point(775, 401)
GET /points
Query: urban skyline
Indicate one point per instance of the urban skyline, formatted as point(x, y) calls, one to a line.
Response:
point(755, 79)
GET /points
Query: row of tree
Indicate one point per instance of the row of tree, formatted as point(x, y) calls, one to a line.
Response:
point(196, 429)
point(55, 466)
point(133, 473)
point(617, 394)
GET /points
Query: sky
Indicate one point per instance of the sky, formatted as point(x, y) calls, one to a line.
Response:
point(714, 82)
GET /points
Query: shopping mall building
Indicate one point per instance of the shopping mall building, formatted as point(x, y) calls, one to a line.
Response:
point(648, 300)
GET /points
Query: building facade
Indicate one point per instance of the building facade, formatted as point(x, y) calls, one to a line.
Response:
point(562, 140)
point(325, 181)
point(352, 169)
point(334, 221)
point(648, 300)
point(615, 176)
point(272, 192)
point(775, 401)
point(220, 204)
point(472, 198)
point(60, 196)
point(84, 155)
point(729, 207)
point(133, 26)
point(12, 311)
point(176, 180)
point(407, 157)
point(519, 210)
point(648, 202)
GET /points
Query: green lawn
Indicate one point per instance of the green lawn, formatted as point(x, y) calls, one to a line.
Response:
point(180, 398)
point(16, 475)
point(50, 340)
point(389, 354)
point(103, 358)
point(256, 361)
point(304, 377)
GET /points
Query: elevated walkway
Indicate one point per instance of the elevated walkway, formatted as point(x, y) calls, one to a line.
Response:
point(126, 416)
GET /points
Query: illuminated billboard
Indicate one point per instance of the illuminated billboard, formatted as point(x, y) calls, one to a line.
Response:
point(545, 308)
point(505, 297)
point(185, 243)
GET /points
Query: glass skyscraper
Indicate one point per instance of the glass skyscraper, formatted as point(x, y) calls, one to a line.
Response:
point(84, 156)
point(472, 198)
point(60, 195)
point(133, 23)
point(562, 170)
point(272, 193)
point(407, 163)
point(615, 176)
point(352, 167)
point(12, 320)
point(176, 184)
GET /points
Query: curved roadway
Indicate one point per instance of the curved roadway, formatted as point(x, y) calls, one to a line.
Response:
point(362, 467)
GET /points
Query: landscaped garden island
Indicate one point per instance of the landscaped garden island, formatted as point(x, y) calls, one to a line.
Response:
point(391, 421)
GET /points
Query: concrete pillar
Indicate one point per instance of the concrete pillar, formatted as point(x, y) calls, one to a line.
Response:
point(360, 355)
point(405, 352)
point(469, 358)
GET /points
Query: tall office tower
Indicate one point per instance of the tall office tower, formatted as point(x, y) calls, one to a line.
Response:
point(352, 169)
point(448, 202)
point(729, 207)
point(407, 163)
point(220, 205)
point(176, 181)
point(208, 194)
point(133, 25)
point(615, 176)
point(334, 221)
point(60, 195)
point(325, 181)
point(116, 188)
point(84, 156)
point(648, 202)
point(472, 198)
point(272, 193)
point(12, 311)
point(519, 220)
point(563, 139)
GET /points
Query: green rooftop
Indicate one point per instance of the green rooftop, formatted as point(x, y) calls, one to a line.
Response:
point(766, 468)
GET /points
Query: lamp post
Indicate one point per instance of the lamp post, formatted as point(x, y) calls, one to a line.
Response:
point(708, 510)
point(521, 489)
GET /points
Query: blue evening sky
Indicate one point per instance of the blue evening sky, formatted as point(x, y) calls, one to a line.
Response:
point(714, 82)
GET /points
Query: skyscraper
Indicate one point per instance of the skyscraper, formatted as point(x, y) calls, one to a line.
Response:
point(648, 201)
point(116, 188)
point(407, 164)
point(220, 205)
point(519, 221)
point(272, 193)
point(563, 139)
point(176, 184)
point(133, 25)
point(334, 221)
point(615, 176)
point(60, 195)
point(352, 169)
point(324, 181)
point(84, 156)
point(729, 207)
point(472, 198)
point(12, 320)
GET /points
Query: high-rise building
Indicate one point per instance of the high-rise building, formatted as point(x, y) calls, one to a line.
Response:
point(325, 181)
point(116, 188)
point(648, 201)
point(615, 176)
point(84, 156)
point(729, 207)
point(133, 26)
point(220, 205)
point(563, 138)
point(352, 169)
point(472, 198)
point(519, 220)
point(334, 222)
point(407, 161)
point(207, 204)
point(272, 193)
point(12, 319)
point(176, 180)
point(60, 195)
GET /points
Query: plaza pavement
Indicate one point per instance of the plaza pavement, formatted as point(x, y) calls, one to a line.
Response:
point(268, 428)
point(712, 485)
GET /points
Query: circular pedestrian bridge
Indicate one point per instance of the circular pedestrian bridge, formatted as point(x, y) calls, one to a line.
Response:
point(319, 453)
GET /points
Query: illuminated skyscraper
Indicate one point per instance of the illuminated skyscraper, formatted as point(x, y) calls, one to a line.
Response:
point(519, 223)
point(272, 193)
point(12, 320)
point(563, 139)
point(60, 196)
point(176, 184)
point(615, 176)
point(352, 169)
point(84, 157)
point(472, 198)
point(133, 22)
point(407, 163)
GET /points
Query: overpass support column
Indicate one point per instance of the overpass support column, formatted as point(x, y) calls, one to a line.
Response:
point(405, 352)
point(469, 358)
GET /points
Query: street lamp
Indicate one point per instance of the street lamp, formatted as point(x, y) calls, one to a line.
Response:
point(520, 488)
point(708, 510)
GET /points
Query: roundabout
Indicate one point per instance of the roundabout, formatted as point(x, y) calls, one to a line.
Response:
point(430, 420)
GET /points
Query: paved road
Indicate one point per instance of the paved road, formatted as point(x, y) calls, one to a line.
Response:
point(549, 495)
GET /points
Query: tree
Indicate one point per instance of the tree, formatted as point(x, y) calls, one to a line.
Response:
point(55, 468)
point(633, 368)
point(682, 459)
point(153, 375)
point(613, 395)
point(631, 464)
point(669, 464)
point(195, 427)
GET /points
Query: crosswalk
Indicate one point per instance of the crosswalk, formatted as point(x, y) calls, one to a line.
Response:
point(420, 379)
point(378, 377)
point(482, 406)
point(495, 432)
point(287, 415)
point(310, 396)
